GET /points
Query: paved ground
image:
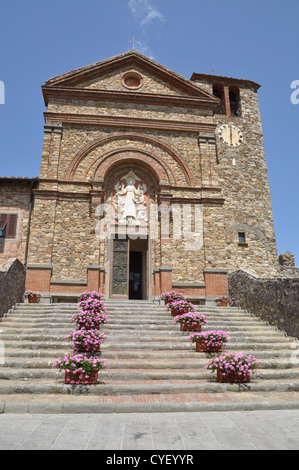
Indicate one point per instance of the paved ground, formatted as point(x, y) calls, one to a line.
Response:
point(171, 432)
point(192, 402)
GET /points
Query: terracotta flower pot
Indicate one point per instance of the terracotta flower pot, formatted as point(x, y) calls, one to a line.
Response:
point(93, 378)
point(83, 350)
point(223, 303)
point(190, 328)
point(232, 377)
point(33, 300)
point(202, 347)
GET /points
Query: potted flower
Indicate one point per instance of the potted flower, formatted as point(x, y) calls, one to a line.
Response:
point(233, 368)
point(92, 304)
point(209, 341)
point(91, 295)
point(86, 340)
point(87, 319)
point(80, 369)
point(224, 301)
point(191, 321)
point(32, 296)
point(171, 296)
point(179, 307)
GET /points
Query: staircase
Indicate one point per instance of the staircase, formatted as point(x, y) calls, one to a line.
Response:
point(153, 366)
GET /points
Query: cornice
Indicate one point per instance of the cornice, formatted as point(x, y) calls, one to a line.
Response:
point(129, 122)
point(55, 194)
point(225, 80)
point(84, 94)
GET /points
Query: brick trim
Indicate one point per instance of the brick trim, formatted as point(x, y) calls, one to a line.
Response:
point(129, 122)
point(133, 136)
point(216, 282)
point(38, 278)
point(161, 169)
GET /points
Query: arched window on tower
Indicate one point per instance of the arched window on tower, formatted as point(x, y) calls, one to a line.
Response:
point(218, 92)
point(234, 99)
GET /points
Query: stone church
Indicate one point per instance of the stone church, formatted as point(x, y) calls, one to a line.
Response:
point(148, 182)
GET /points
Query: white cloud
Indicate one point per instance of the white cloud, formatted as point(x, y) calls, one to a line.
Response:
point(145, 12)
point(144, 49)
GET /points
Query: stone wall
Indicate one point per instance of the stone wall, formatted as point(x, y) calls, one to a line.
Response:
point(287, 266)
point(273, 300)
point(243, 178)
point(12, 284)
point(15, 198)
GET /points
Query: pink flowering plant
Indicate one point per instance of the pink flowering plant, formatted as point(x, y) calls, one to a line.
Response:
point(92, 304)
point(32, 294)
point(224, 298)
point(89, 319)
point(191, 319)
point(241, 364)
point(213, 339)
point(80, 367)
point(86, 340)
point(181, 306)
point(93, 313)
point(91, 295)
point(171, 296)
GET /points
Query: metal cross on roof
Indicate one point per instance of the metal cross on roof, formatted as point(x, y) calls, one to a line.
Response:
point(134, 42)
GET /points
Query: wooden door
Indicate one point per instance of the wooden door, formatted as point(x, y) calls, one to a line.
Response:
point(120, 268)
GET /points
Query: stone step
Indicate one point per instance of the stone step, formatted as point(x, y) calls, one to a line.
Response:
point(136, 316)
point(195, 363)
point(139, 335)
point(66, 317)
point(150, 335)
point(147, 353)
point(137, 388)
point(53, 353)
point(116, 325)
point(136, 375)
point(62, 317)
point(113, 311)
point(125, 306)
point(178, 344)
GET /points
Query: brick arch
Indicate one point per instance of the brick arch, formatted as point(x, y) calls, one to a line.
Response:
point(133, 136)
point(161, 170)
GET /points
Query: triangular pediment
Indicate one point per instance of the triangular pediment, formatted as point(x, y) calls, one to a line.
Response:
point(110, 76)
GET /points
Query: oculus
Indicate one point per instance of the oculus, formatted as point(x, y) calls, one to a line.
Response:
point(132, 80)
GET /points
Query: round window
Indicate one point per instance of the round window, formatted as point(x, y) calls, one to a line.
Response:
point(132, 80)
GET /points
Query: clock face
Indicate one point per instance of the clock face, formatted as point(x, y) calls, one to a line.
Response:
point(230, 135)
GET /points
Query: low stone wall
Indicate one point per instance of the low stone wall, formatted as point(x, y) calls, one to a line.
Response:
point(12, 284)
point(273, 300)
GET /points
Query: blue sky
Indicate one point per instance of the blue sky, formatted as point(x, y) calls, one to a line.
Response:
point(256, 40)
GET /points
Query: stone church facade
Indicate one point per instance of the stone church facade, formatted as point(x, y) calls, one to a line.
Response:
point(148, 182)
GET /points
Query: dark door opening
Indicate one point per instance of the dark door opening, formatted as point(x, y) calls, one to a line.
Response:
point(129, 269)
point(135, 275)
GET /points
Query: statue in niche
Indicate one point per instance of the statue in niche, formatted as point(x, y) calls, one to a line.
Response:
point(129, 202)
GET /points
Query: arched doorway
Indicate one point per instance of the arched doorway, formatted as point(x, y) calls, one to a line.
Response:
point(130, 191)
